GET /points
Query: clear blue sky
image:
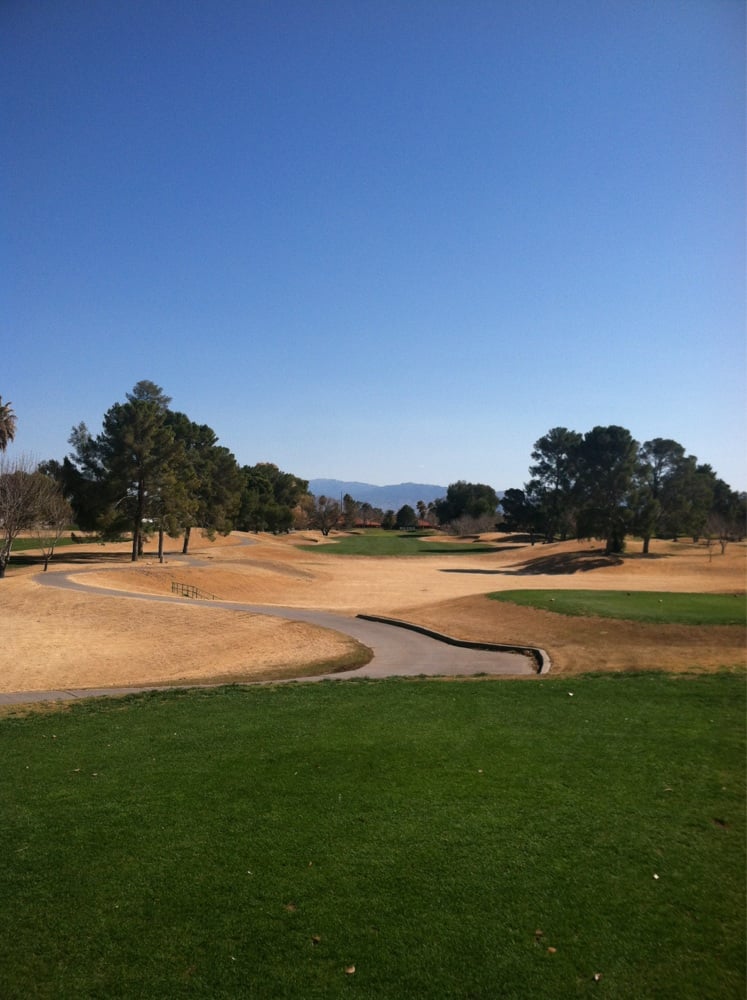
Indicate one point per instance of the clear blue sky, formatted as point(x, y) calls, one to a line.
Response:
point(377, 240)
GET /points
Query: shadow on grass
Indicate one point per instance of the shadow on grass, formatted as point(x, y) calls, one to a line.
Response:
point(558, 564)
point(456, 549)
point(477, 572)
point(474, 547)
point(59, 561)
point(565, 563)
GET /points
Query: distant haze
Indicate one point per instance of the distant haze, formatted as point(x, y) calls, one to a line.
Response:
point(385, 497)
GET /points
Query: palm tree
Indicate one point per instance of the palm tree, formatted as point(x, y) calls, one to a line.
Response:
point(7, 424)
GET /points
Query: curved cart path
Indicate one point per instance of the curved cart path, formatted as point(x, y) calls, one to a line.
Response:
point(397, 652)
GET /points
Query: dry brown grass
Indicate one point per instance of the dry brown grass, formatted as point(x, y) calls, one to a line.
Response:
point(578, 645)
point(55, 639)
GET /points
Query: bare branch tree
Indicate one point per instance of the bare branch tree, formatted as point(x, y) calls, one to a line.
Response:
point(467, 525)
point(722, 527)
point(21, 489)
point(325, 514)
point(54, 516)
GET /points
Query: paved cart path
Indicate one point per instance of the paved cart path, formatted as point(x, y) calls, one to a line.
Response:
point(397, 652)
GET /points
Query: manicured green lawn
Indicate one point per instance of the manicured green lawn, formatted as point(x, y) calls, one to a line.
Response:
point(23, 544)
point(441, 837)
point(375, 542)
point(643, 606)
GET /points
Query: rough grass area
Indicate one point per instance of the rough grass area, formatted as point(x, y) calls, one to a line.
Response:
point(642, 606)
point(441, 839)
point(375, 542)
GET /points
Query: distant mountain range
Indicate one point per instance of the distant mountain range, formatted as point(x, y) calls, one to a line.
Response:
point(385, 497)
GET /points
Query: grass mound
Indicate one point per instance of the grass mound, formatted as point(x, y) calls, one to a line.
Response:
point(641, 606)
point(443, 839)
point(394, 543)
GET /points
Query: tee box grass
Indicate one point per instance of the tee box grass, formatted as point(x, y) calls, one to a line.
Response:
point(642, 606)
point(393, 839)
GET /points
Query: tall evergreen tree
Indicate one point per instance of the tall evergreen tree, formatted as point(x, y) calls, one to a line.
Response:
point(606, 465)
point(522, 511)
point(474, 500)
point(269, 498)
point(84, 481)
point(350, 511)
point(687, 499)
point(129, 475)
point(212, 477)
point(406, 517)
point(552, 486)
point(659, 462)
point(137, 449)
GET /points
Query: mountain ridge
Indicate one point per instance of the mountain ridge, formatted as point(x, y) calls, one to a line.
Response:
point(390, 497)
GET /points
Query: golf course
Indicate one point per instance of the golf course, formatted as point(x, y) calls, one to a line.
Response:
point(229, 831)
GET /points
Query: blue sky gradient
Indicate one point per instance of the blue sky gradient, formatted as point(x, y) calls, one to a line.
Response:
point(378, 241)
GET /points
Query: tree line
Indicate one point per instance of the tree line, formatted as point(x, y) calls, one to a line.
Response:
point(604, 484)
point(601, 484)
point(151, 470)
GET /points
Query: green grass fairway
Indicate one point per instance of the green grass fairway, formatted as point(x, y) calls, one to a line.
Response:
point(23, 544)
point(447, 839)
point(642, 606)
point(393, 543)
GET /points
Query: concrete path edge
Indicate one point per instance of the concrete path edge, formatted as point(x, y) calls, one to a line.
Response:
point(539, 655)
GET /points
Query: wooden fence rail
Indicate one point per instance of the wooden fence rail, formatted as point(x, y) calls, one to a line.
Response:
point(187, 590)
